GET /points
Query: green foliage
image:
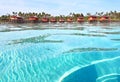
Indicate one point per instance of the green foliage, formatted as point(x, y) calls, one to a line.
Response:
point(114, 15)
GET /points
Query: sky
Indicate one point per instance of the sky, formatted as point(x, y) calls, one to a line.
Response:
point(58, 7)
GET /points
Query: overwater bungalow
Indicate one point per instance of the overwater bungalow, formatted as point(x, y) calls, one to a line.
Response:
point(4, 20)
point(53, 20)
point(33, 19)
point(45, 20)
point(104, 19)
point(80, 19)
point(61, 20)
point(92, 19)
point(70, 19)
point(16, 19)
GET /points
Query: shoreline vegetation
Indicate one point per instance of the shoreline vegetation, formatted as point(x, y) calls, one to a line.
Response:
point(21, 17)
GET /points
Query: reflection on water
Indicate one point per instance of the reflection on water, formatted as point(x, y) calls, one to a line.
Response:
point(67, 52)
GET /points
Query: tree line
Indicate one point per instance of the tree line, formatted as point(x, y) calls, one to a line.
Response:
point(114, 15)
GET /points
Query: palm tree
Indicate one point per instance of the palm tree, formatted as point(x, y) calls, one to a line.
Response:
point(14, 13)
point(88, 14)
point(20, 13)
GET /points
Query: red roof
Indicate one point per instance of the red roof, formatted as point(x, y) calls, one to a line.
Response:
point(69, 19)
point(45, 19)
point(92, 16)
point(61, 19)
point(105, 17)
point(80, 17)
point(53, 19)
point(15, 18)
point(33, 18)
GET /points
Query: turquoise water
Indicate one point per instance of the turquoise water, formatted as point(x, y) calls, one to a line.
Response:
point(60, 52)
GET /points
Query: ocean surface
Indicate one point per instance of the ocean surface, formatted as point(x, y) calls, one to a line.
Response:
point(68, 52)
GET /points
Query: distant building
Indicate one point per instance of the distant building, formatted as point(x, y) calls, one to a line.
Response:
point(61, 20)
point(70, 19)
point(44, 20)
point(33, 19)
point(4, 20)
point(92, 19)
point(53, 20)
point(104, 19)
point(16, 19)
point(80, 19)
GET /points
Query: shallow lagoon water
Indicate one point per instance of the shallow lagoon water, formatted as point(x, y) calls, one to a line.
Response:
point(60, 52)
